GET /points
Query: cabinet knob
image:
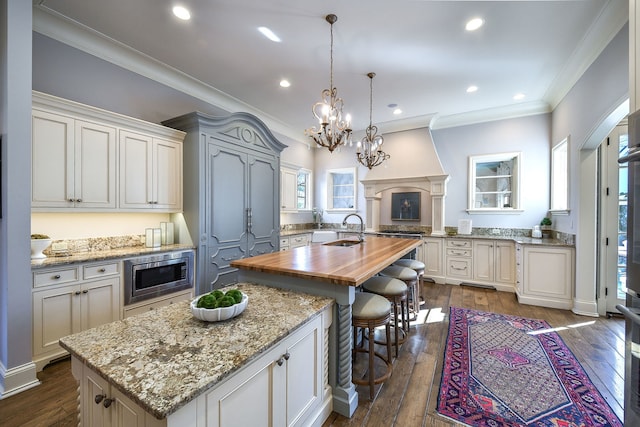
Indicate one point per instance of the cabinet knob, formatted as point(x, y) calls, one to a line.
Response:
point(70, 200)
point(99, 398)
point(101, 270)
point(77, 292)
point(78, 200)
point(107, 402)
point(57, 276)
point(280, 361)
point(85, 291)
point(287, 356)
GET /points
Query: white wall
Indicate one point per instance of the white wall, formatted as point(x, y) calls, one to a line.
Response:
point(527, 135)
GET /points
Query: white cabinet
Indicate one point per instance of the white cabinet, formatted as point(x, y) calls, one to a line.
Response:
point(71, 299)
point(73, 163)
point(282, 386)
point(288, 189)
point(150, 172)
point(545, 276)
point(82, 160)
point(433, 258)
point(494, 263)
point(458, 261)
point(104, 405)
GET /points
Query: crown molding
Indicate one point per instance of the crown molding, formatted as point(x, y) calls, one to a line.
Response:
point(491, 114)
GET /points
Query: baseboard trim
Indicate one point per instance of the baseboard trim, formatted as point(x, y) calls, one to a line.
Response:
point(18, 379)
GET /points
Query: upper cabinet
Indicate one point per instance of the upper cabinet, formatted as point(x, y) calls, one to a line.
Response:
point(494, 183)
point(288, 183)
point(150, 172)
point(73, 163)
point(91, 160)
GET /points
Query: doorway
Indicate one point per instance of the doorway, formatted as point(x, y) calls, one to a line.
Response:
point(613, 212)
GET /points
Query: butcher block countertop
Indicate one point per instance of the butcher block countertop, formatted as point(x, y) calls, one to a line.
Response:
point(165, 358)
point(349, 266)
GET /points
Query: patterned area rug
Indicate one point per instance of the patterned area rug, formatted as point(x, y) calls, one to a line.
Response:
point(499, 372)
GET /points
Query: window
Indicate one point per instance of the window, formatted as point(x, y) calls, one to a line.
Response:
point(560, 178)
point(341, 189)
point(494, 183)
point(303, 190)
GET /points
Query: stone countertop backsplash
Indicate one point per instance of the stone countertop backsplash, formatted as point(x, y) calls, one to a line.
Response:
point(518, 235)
point(165, 358)
point(99, 249)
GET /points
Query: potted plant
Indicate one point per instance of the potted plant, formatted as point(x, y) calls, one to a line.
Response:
point(39, 242)
point(546, 227)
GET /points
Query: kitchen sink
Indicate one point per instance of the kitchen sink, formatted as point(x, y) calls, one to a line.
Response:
point(342, 243)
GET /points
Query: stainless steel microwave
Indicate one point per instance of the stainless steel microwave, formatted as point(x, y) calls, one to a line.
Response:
point(151, 276)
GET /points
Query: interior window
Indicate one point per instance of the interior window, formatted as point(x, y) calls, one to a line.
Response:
point(494, 183)
point(341, 189)
point(560, 178)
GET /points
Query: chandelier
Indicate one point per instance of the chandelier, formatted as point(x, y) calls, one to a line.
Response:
point(333, 129)
point(369, 149)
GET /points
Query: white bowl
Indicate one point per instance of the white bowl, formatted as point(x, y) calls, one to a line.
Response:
point(37, 246)
point(218, 314)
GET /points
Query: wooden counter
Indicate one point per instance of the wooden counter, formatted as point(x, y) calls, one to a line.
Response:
point(335, 272)
point(349, 266)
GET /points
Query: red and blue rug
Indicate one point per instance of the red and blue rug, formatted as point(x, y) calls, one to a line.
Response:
point(498, 371)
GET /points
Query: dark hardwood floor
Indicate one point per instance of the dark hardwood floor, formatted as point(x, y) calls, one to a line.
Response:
point(408, 398)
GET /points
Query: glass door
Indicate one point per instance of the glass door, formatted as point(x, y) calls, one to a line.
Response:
point(613, 211)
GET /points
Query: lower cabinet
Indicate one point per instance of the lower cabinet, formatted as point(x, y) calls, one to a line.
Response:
point(494, 263)
point(433, 258)
point(545, 276)
point(459, 260)
point(285, 386)
point(69, 300)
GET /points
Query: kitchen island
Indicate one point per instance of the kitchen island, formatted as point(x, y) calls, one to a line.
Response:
point(335, 272)
point(167, 368)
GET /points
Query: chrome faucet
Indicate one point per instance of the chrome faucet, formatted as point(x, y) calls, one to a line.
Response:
point(361, 235)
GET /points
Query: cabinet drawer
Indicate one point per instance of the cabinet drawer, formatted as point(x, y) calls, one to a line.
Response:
point(458, 243)
point(301, 240)
point(55, 277)
point(156, 304)
point(459, 268)
point(284, 241)
point(93, 271)
point(459, 252)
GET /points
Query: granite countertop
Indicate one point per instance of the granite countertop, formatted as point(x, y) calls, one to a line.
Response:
point(517, 239)
point(165, 358)
point(103, 255)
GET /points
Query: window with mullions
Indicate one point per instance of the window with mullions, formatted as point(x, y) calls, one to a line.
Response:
point(303, 190)
point(341, 189)
point(494, 183)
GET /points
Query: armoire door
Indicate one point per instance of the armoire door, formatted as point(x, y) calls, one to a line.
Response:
point(263, 205)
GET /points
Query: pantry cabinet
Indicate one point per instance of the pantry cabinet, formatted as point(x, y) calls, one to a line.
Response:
point(67, 300)
point(85, 159)
point(73, 163)
point(233, 207)
point(150, 172)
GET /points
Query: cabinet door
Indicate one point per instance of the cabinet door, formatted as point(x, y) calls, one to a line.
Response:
point(483, 260)
point(100, 302)
point(548, 276)
point(433, 258)
point(264, 202)
point(288, 184)
point(56, 313)
point(95, 166)
point(304, 379)
point(227, 214)
point(52, 157)
point(167, 175)
point(136, 186)
point(93, 388)
point(505, 254)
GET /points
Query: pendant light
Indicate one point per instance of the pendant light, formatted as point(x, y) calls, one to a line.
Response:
point(369, 150)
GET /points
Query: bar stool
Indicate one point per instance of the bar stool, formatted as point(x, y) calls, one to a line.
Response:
point(408, 276)
point(395, 291)
point(418, 267)
point(369, 311)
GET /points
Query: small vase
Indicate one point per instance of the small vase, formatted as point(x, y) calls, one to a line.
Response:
point(38, 246)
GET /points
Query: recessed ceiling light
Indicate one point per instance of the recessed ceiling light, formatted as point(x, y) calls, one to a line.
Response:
point(284, 83)
point(182, 13)
point(518, 96)
point(397, 111)
point(474, 24)
point(269, 34)
point(472, 89)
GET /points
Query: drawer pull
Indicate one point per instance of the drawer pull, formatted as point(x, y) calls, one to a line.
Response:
point(229, 259)
point(101, 270)
point(56, 277)
point(459, 268)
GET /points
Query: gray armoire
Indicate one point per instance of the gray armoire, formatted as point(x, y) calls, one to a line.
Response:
point(231, 192)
